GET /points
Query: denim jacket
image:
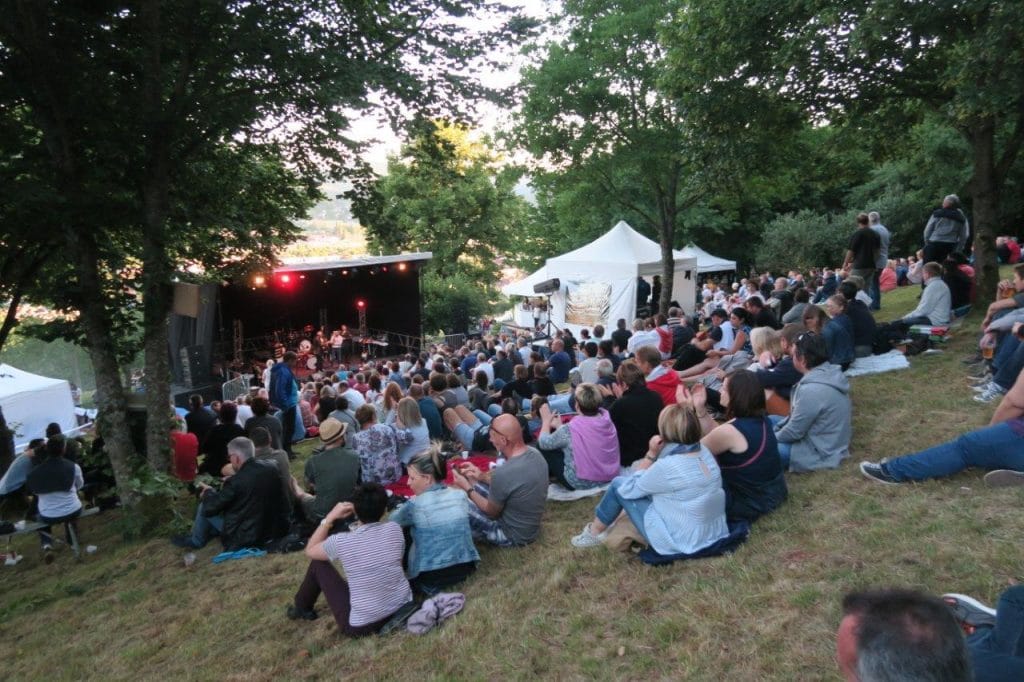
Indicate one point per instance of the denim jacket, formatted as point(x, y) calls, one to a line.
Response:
point(439, 518)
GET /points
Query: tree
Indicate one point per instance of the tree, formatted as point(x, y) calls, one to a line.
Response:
point(129, 104)
point(594, 111)
point(841, 61)
point(449, 194)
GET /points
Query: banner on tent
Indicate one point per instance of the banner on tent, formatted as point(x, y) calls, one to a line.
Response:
point(588, 303)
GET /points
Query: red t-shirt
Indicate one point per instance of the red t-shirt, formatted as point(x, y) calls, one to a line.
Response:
point(186, 450)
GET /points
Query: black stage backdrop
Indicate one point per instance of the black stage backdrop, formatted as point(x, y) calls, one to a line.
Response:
point(291, 300)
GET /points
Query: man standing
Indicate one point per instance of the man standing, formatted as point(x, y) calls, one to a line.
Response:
point(250, 508)
point(507, 502)
point(621, 336)
point(946, 231)
point(199, 419)
point(284, 393)
point(884, 238)
point(862, 250)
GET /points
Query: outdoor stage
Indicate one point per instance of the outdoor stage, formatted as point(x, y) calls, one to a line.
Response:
point(235, 328)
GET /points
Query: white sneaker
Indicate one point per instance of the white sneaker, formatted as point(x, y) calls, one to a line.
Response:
point(588, 539)
point(994, 392)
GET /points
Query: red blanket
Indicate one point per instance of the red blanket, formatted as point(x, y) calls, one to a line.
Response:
point(401, 486)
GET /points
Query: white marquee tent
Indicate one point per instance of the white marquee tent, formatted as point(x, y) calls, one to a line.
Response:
point(598, 280)
point(30, 402)
point(705, 261)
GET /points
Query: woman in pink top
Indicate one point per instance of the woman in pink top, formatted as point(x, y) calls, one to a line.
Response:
point(583, 453)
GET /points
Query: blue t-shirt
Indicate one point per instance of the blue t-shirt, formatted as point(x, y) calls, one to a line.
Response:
point(467, 365)
point(558, 367)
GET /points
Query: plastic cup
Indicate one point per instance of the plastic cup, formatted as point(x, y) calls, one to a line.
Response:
point(465, 454)
point(987, 352)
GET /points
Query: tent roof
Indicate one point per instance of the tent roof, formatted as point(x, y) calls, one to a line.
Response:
point(620, 246)
point(524, 287)
point(14, 381)
point(705, 261)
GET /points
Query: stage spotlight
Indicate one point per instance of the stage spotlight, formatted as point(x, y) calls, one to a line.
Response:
point(401, 267)
point(344, 272)
point(258, 281)
point(360, 303)
point(302, 277)
point(384, 268)
point(285, 279)
point(373, 271)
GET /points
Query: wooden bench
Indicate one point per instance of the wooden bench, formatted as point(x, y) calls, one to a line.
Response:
point(39, 525)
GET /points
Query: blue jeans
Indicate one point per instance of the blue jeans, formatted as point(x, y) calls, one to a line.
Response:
point(875, 290)
point(998, 653)
point(784, 448)
point(1009, 361)
point(992, 447)
point(612, 504)
point(465, 432)
point(205, 527)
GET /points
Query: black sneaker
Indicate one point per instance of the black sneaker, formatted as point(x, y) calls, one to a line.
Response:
point(970, 613)
point(295, 613)
point(876, 472)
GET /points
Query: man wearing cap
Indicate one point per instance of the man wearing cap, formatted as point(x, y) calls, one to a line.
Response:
point(331, 474)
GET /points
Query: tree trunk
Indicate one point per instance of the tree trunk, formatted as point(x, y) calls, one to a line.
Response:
point(668, 269)
point(110, 395)
point(157, 378)
point(985, 188)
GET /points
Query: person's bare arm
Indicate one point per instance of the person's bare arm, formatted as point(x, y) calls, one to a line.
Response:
point(483, 503)
point(1012, 404)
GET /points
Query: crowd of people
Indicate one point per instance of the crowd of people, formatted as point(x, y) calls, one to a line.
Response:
point(686, 424)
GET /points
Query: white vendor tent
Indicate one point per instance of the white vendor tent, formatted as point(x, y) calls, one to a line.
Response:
point(598, 280)
point(705, 261)
point(30, 402)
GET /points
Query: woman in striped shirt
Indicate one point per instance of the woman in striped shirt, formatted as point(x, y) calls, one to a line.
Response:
point(371, 555)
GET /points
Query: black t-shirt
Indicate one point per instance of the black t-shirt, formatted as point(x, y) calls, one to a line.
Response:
point(766, 318)
point(863, 323)
point(785, 298)
point(865, 245)
point(620, 337)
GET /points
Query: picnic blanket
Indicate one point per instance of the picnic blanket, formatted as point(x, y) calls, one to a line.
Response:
point(557, 493)
point(401, 486)
point(875, 364)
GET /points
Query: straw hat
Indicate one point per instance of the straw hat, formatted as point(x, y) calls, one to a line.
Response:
point(332, 429)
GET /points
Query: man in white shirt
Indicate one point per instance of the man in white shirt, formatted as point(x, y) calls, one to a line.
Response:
point(354, 397)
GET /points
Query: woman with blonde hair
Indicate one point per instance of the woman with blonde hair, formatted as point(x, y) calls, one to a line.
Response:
point(442, 552)
point(674, 497)
point(408, 416)
point(767, 346)
point(583, 453)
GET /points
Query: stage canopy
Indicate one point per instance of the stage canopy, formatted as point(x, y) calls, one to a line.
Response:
point(705, 261)
point(31, 401)
point(598, 280)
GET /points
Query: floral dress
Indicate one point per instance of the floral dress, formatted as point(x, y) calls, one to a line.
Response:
point(378, 448)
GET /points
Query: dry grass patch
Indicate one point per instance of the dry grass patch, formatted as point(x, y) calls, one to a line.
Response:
point(767, 612)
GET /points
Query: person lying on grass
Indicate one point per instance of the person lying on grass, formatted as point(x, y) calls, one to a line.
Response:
point(371, 556)
point(745, 447)
point(998, 447)
point(674, 497)
point(442, 552)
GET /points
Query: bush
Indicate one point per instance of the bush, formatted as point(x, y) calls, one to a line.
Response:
point(453, 304)
point(804, 240)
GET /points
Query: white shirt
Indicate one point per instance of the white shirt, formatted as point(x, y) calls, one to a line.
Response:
point(355, 398)
point(644, 338)
point(56, 505)
point(244, 414)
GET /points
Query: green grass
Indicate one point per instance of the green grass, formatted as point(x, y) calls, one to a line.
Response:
point(767, 612)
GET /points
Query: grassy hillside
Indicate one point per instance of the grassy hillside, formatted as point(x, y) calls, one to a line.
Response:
point(768, 612)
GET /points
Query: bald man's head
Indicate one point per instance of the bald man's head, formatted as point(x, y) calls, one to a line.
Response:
point(509, 434)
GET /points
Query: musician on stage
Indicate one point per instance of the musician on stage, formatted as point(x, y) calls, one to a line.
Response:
point(337, 341)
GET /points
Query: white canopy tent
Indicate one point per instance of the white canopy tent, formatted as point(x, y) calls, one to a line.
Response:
point(30, 402)
point(598, 280)
point(705, 261)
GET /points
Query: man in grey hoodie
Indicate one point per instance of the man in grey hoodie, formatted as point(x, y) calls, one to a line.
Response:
point(816, 434)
